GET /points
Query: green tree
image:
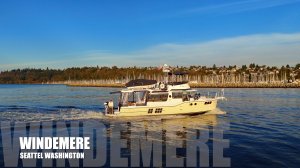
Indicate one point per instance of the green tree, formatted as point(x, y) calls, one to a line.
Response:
point(244, 67)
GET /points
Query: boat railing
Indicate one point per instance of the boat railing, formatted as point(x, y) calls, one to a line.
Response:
point(216, 95)
point(220, 95)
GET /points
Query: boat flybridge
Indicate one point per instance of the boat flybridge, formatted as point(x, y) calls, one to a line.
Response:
point(148, 97)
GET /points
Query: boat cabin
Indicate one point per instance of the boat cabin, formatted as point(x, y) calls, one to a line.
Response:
point(145, 96)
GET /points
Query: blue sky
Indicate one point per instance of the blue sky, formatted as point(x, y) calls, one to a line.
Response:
point(61, 33)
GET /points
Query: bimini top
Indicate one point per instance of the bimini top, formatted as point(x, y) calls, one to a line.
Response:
point(140, 82)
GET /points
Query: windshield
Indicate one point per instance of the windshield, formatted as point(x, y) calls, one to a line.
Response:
point(133, 98)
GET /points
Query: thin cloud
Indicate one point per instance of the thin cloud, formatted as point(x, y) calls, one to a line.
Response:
point(270, 49)
point(235, 7)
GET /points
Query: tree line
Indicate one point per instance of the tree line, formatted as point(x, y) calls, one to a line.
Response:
point(31, 75)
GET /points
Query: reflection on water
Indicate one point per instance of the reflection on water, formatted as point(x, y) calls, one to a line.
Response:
point(167, 123)
point(173, 140)
point(177, 139)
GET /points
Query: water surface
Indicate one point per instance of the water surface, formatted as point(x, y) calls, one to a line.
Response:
point(264, 124)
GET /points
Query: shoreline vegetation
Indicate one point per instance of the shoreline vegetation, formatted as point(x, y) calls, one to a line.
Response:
point(251, 76)
point(194, 85)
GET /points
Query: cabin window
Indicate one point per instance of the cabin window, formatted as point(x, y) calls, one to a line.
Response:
point(137, 98)
point(140, 98)
point(177, 95)
point(150, 110)
point(124, 99)
point(209, 102)
point(158, 97)
point(158, 110)
point(191, 94)
point(185, 97)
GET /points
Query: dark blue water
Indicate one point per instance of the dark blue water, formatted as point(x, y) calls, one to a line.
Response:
point(264, 124)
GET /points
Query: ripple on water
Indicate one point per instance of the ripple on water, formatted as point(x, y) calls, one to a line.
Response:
point(264, 123)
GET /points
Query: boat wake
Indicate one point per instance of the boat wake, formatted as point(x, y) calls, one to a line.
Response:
point(216, 111)
point(61, 114)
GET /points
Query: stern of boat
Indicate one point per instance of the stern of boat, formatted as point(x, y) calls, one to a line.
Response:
point(109, 108)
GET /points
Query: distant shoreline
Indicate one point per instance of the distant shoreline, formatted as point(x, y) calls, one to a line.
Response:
point(201, 85)
point(193, 85)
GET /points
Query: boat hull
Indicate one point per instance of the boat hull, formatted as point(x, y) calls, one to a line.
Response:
point(183, 108)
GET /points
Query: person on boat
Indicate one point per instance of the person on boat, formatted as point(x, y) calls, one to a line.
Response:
point(110, 105)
